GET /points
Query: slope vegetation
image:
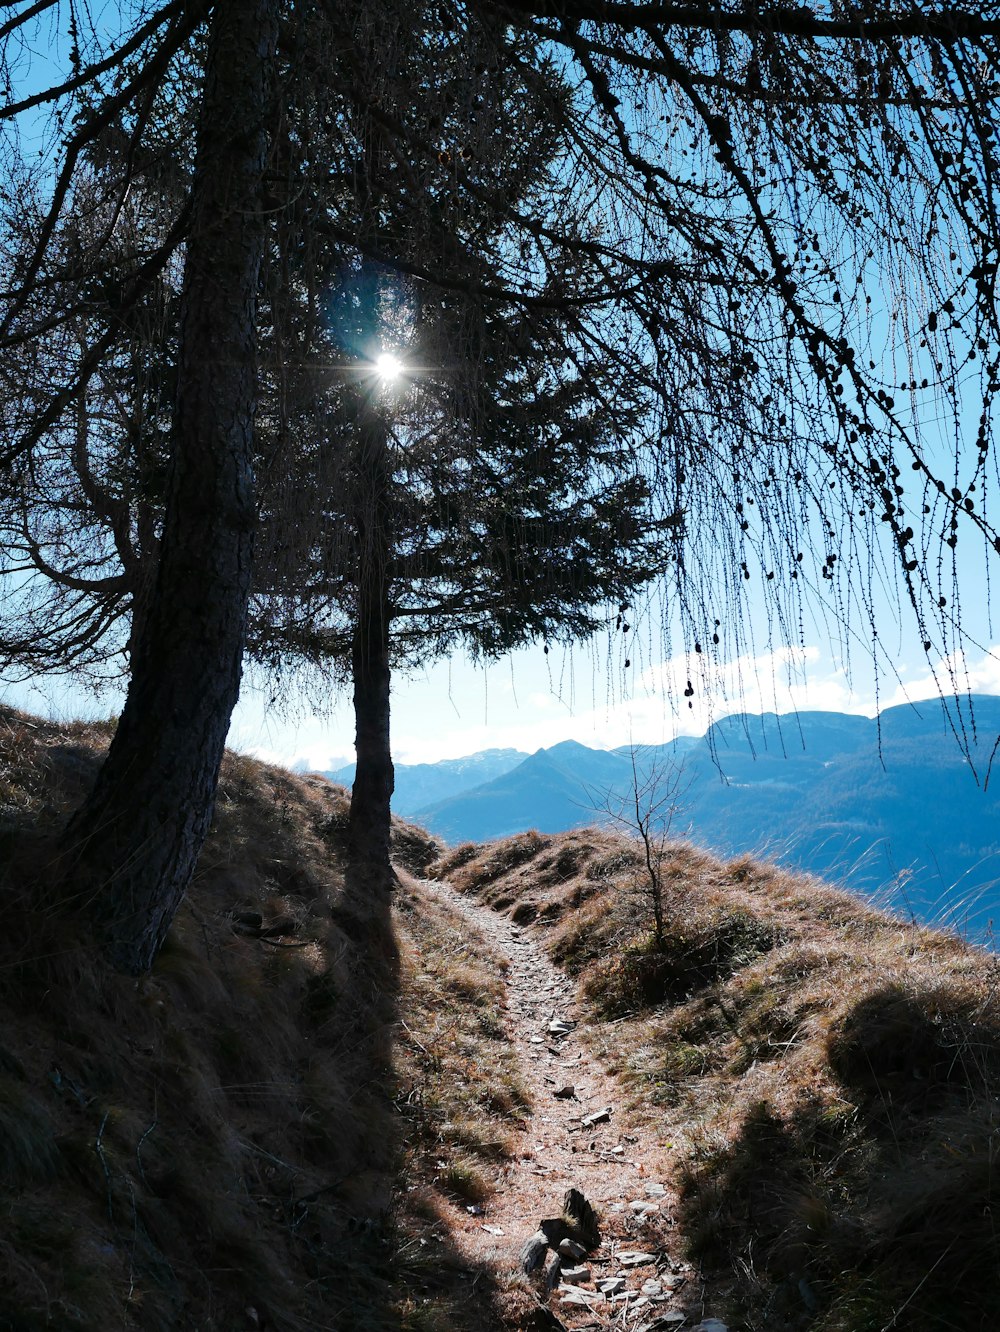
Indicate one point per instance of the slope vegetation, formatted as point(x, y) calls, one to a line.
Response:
point(273, 1127)
point(828, 1077)
point(314, 1112)
point(891, 806)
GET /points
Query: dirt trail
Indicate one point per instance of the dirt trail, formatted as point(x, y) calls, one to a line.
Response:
point(621, 1171)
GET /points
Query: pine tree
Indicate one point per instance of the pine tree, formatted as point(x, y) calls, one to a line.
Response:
point(134, 843)
point(787, 216)
point(497, 491)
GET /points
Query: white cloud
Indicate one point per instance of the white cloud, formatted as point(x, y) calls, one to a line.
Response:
point(656, 711)
point(954, 674)
point(532, 701)
point(786, 680)
point(451, 712)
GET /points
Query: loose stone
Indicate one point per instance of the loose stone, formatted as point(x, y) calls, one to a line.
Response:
point(612, 1285)
point(574, 1295)
point(598, 1117)
point(574, 1275)
point(633, 1258)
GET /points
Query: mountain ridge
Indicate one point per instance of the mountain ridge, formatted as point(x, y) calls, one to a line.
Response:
point(448, 777)
point(889, 806)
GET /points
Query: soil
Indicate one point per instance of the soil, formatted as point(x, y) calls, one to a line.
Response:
point(620, 1167)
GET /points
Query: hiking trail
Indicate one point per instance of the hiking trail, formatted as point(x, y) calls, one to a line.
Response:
point(576, 1136)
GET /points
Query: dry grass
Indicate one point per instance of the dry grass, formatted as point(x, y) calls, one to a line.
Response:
point(279, 1126)
point(459, 1094)
point(218, 1145)
point(829, 1077)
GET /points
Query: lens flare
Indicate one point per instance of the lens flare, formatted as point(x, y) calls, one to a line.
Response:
point(388, 366)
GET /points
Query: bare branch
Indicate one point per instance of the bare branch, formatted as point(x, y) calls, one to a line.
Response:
point(945, 24)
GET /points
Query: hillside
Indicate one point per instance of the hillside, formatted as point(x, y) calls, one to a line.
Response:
point(326, 1111)
point(219, 1146)
point(826, 1080)
point(888, 806)
point(419, 784)
point(554, 789)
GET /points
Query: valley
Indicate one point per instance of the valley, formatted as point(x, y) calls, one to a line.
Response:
point(899, 808)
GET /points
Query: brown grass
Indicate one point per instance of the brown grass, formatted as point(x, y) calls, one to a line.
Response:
point(460, 1097)
point(219, 1145)
point(280, 1125)
point(829, 1077)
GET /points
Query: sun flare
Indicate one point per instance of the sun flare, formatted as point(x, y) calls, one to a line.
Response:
point(388, 366)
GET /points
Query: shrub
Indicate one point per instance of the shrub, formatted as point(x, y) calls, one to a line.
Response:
point(647, 974)
point(900, 1043)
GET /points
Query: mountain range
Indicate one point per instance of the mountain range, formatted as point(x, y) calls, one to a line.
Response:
point(899, 806)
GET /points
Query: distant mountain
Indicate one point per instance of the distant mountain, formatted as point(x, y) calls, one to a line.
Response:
point(419, 784)
point(555, 789)
point(551, 788)
point(889, 805)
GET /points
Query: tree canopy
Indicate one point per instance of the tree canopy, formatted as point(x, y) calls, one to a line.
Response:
point(782, 220)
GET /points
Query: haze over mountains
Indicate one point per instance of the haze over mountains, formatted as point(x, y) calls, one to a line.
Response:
point(890, 806)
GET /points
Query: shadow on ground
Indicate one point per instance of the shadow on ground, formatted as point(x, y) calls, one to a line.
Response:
point(879, 1208)
point(218, 1145)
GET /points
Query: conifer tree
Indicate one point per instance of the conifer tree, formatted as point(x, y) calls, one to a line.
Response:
point(496, 489)
point(134, 843)
point(788, 215)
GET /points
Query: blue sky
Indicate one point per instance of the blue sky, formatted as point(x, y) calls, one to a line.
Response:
point(530, 701)
point(456, 708)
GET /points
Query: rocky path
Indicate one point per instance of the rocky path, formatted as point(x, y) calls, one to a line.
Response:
point(575, 1137)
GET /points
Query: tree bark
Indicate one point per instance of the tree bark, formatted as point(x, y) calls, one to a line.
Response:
point(371, 819)
point(133, 845)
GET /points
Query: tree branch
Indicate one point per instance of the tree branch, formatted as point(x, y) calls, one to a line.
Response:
point(88, 75)
point(944, 25)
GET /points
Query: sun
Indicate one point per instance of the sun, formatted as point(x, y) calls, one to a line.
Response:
point(388, 367)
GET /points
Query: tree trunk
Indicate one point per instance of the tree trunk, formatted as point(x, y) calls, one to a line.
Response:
point(371, 819)
point(133, 845)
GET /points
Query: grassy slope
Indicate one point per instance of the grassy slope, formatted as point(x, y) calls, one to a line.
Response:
point(828, 1076)
point(276, 1127)
point(221, 1144)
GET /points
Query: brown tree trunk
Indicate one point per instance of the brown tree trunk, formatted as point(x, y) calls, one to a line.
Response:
point(371, 819)
point(133, 845)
